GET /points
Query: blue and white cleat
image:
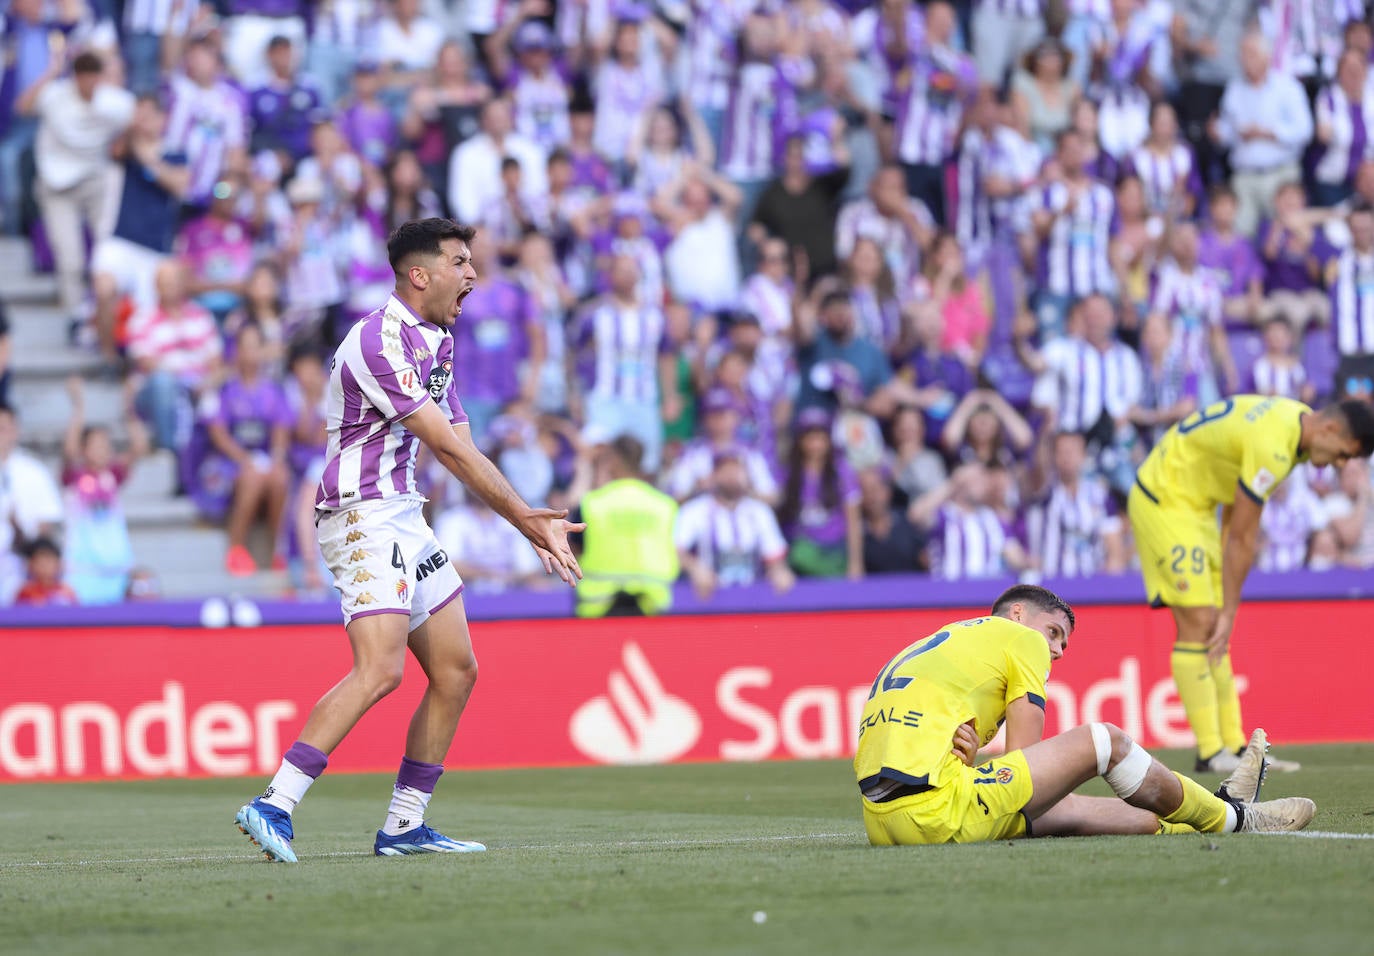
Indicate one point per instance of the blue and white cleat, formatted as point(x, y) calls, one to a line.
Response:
point(269, 828)
point(422, 839)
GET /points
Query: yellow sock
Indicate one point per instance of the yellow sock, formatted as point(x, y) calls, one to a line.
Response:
point(1198, 691)
point(1169, 829)
point(1228, 705)
point(1201, 810)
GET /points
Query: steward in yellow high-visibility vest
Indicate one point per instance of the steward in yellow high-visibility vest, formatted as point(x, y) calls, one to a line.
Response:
point(629, 559)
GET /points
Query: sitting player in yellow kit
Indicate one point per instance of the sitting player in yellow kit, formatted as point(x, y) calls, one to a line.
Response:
point(971, 676)
point(1231, 455)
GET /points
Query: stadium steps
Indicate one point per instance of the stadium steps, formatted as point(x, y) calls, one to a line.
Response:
point(168, 537)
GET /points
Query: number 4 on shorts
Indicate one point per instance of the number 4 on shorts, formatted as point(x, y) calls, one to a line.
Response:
point(397, 561)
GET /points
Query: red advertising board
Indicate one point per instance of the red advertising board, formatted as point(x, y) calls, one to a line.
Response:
point(137, 702)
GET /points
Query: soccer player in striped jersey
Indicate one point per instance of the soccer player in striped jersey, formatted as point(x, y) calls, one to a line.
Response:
point(390, 390)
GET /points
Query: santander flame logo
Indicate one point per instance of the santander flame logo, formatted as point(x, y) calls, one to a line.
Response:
point(636, 721)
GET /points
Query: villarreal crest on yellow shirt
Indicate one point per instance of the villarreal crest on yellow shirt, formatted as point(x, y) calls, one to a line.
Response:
point(969, 670)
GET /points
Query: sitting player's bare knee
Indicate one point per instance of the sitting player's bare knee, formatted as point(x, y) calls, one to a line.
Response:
point(1195, 623)
point(457, 679)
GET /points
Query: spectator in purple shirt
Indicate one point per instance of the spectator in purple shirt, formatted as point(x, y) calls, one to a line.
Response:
point(941, 379)
point(1232, 258)
point(366, 123)
point(249, 427)
point(498, 344)
point(284, 109)
point(820, 512)
point(218, 248)
point(1289, 247)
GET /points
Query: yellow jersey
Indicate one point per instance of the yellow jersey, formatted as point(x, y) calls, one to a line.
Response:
point(969, 670)
point(1246, 441)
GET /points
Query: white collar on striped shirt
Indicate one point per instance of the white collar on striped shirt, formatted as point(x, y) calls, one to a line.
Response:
point(394, 306)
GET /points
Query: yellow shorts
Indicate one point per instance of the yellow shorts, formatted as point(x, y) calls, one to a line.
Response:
point(971, 805)
point(1180, 552)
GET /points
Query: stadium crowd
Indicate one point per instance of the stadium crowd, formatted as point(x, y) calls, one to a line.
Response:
point(868, 287)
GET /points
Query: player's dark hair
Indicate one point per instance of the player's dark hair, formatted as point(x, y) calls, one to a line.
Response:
point(1359, 421)
point(1037, 597)
point(423, 237)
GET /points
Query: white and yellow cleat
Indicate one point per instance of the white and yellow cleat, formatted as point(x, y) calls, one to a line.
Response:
point(1277, 816)
point(1243, 785)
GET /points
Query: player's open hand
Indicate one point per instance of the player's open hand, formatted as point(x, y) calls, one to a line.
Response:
point(548, 531)
point(965, 745)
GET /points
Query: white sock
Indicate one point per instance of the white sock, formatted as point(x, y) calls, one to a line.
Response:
point(407, 810)
point(1232, 821)
point(287, 787)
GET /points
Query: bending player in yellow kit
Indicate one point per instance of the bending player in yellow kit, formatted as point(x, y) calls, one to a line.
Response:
point(1232, 454)
point(971, 676)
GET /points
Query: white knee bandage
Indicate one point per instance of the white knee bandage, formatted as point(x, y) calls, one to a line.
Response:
point(1128, 775)
point(1102, 743)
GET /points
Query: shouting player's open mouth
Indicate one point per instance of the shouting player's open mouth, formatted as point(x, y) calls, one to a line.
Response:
point(458, 303)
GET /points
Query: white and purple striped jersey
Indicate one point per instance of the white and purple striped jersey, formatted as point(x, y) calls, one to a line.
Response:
point(698, 460)
point(1066, 530)
point(1073, 259)
point(966, 545)
point(1166, 177)
point(627, 341)
point(388, 365)
point(709, 50)
point(1306, 35)
point(1081, 382)
point(1338, 158)
point(1028, 9)
point(205, 123)
point(762, 108)
point(1193, 302)
point(622, 94)
point(1004, 154)
point(540, 105)
point(734, 542)
point(160, 17)
point(861, 219)
point(1277, 375)
point(930, 115)
point(1352, 303)
point(1286, 524)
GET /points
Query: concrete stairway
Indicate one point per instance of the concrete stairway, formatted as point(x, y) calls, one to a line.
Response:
point(168, 538)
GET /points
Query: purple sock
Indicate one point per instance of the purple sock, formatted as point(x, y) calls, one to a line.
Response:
point(307, 759)
point(418, 776)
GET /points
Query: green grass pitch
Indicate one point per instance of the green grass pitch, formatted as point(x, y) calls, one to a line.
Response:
point(677, 859)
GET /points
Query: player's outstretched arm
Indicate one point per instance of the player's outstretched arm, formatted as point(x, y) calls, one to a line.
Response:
point(1237, 556)
point(545, 528)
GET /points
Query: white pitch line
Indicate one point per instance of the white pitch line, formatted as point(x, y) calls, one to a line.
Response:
point(1325, 835)
point(249, 858)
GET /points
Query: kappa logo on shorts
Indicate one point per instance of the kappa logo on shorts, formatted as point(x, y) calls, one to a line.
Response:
point(356, 556)
point(365, 598)
point(636, 721)
point(354, 537)
point(403, 590)
point(353, 518)
point(438, 379)
point(363, 576)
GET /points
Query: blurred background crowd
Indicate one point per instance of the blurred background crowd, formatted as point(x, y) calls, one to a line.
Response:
point(864, 287)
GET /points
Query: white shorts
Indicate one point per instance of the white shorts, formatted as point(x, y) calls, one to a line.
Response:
point(386, 560)
point(134, 268)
